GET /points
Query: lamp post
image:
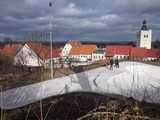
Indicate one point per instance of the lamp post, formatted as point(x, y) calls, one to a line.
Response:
point(50, 37)
point(1, 102)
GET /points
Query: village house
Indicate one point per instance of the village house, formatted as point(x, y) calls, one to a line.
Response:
point(144, 54)
point(82, 53)
point(10, 50)
point(98, 54)
point(118, 51)
point(32, 55)
point(55, 56)
point(68, 46)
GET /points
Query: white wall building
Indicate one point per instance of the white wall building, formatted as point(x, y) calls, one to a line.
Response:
point(27, 57)
point(66, 50)
point(144, 37)
point(98, 54)
point(68, 46)
point(82, 53)
point(80, 57)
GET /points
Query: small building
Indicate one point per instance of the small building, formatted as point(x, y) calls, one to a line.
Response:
point(98, 54)
point(144, 54)
point(137, 53)
point(32, 55)
point(11, 50)
point(68, 46)
point(55, 56)
point(82, 53)
point(118, 51)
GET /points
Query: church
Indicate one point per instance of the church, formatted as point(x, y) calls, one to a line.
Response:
point(144, 36)
point(142, 51)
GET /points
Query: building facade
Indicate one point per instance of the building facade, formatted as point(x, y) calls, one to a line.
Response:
point(144, 36)
point(98, 54)
point(68, 46)
point(82, 53)
point(27, 57)
point(118, 51)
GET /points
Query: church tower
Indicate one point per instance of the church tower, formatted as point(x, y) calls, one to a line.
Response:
point(144, 36)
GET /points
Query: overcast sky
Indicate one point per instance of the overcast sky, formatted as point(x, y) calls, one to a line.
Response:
point(95, 20)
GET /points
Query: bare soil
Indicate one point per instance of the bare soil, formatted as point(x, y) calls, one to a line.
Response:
point(17, 76)
point(76, 105)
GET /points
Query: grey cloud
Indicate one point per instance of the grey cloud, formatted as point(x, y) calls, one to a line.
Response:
point(89, 19)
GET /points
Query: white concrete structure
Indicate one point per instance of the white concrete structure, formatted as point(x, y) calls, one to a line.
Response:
point(98, 54)
point(143, 86)
point(144, 37)
point(27, 57)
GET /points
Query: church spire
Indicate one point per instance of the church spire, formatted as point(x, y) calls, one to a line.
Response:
point(144, 26)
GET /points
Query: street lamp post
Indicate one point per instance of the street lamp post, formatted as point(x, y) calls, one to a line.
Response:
point(1, 103)
point(50, 36)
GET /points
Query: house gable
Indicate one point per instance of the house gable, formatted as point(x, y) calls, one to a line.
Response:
point(26, 56)
point(66, 50)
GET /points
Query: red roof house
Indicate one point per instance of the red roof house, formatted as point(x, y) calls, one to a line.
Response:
point(41, 50)
point(112, 50)
point(138, 52)
point(152, 53)
point(143, 53)
point(11, 49)
point(83, 49)
point(55, 52)
point(75, 43)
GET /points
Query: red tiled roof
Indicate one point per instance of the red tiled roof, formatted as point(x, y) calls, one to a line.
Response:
point(143, 52)
point(75, 51)
point(112, 50)
point(152, 53)
point(138, 52)
point(56, 52)
point(11, 49)
point(41, 50)
point(1, 47)
point(75, 43)
point(84, 49)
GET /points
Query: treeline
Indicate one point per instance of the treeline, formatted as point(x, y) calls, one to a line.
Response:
point(156, 44)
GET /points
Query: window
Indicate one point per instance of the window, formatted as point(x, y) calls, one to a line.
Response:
point(145, 36)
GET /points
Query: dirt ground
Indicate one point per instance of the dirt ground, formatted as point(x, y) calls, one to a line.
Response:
point(17, 77)
point(75, 105)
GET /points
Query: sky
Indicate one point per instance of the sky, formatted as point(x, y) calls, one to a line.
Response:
point(91, 20)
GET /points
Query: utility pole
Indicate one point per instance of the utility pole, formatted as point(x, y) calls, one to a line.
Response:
point(1, 103)
point(50, 23)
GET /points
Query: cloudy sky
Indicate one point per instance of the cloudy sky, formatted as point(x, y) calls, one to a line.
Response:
point(95, 20)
